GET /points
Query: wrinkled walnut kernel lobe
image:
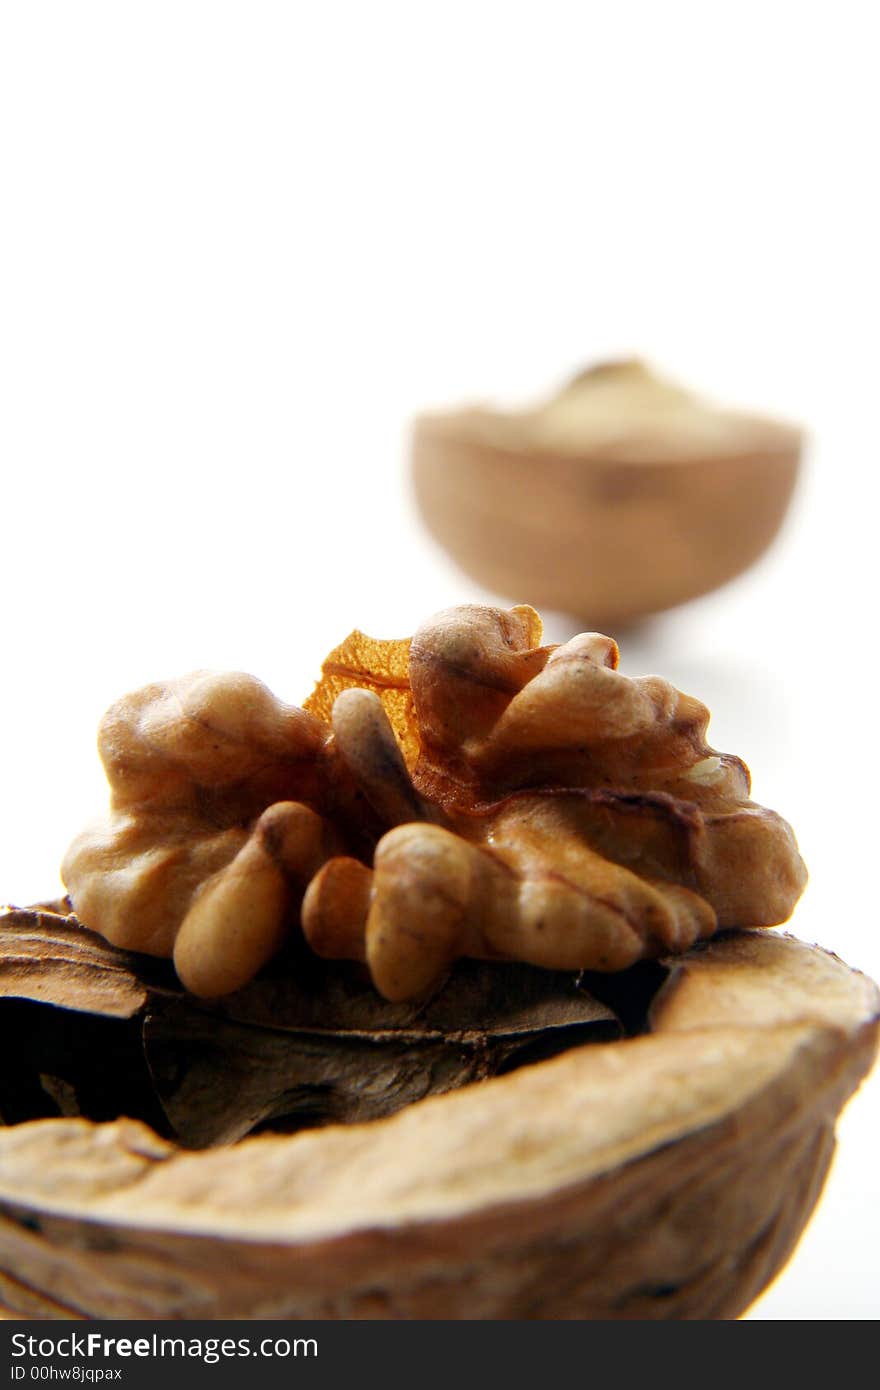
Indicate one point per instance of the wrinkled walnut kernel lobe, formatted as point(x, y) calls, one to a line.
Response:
point(470, 793)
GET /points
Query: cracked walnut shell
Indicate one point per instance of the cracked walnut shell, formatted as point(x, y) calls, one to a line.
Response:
point(468, 793)
point(664, 1176)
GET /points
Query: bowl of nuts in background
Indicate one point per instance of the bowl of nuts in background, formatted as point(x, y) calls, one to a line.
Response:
point(621, 496)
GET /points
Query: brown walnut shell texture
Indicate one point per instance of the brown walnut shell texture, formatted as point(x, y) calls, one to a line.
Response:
point(471, 793)
point(665, 1176)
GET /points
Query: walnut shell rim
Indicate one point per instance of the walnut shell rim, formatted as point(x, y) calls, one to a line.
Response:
point(505, 1200)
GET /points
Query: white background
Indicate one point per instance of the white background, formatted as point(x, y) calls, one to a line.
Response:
point(243, 243)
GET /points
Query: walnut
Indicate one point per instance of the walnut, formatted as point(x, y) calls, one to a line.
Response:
point(471, 793)
point(225, 802)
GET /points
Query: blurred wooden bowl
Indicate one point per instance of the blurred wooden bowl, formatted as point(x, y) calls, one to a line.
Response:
point(620, 497)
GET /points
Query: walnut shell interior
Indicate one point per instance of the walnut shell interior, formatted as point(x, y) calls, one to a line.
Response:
point(663, 1176)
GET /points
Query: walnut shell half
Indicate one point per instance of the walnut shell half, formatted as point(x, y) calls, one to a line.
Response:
point(665, 1176)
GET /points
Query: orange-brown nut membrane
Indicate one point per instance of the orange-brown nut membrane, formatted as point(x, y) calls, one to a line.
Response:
point(469, 793)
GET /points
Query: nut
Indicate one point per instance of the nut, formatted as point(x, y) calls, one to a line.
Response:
point(472, 793)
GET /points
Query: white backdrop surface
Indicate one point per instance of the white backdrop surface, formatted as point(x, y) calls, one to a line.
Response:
point(243, 243)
